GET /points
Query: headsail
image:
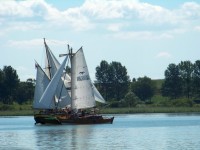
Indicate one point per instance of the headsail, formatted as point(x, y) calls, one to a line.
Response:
point(42, 82)
point(82, 88)
point(50, 91)
point(62, 94)
point(97, 95)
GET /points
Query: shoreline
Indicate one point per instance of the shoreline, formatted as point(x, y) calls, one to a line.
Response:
point(134, 110)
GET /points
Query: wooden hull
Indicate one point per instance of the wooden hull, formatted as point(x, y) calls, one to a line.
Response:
point(71, 119)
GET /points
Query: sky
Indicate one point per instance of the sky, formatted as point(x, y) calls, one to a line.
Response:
point(145, 36)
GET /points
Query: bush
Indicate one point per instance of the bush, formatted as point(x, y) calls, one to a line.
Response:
point(114, 104)
point(4, 107)
point(183, 102)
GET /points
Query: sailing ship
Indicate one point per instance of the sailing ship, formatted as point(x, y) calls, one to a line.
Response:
point(62, 97)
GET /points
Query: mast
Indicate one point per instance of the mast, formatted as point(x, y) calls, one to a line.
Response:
point(72, 77)
point(71, 54)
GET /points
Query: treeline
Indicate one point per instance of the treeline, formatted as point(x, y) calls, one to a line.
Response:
point(181, 86)
point(116, 87)
point(12, 90)
point(182, 80)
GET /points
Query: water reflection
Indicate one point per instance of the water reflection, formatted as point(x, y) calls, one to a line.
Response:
point(68, 136)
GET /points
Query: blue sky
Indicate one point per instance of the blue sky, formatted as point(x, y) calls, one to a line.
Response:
point(144, 35)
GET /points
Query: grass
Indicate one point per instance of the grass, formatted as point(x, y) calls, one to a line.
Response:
point(156, 107)
point(16, 110)
point(133, 110)
point(150, 110)
point(16, 113)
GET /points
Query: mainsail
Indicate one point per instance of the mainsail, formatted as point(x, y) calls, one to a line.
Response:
point(82, 88)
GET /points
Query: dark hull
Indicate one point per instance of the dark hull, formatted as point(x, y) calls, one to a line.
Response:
point(46, 119)
point(70, 119)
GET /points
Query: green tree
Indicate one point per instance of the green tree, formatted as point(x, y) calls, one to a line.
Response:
point(1, 85)
point(112, 80)
point(172, 86)
point(119, 79)
point(186, 70)
point(10, 84)
point(103, 80)
point(25, 91)
point(144, 88)
point(196, 79)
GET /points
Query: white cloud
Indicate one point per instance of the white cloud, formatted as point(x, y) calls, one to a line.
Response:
point(197, 28)
point(112, 15)
point(129, 9)
point(42, 13)
point(14, 8)
point(114, 27)
point(77, 19)
point(190, 10)
point(105, 9)
point(163, 55)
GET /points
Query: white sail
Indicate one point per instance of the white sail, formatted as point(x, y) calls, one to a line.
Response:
point(41, 83)
point(51, 63)
point(54, 64)
point(49, 93)
point(62, 94)
point(82, 88)
point(97, 95)
point(61, 91)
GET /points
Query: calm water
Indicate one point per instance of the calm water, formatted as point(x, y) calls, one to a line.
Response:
point(134, 132)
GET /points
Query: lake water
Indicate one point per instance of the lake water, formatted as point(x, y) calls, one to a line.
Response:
point(134, 132)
